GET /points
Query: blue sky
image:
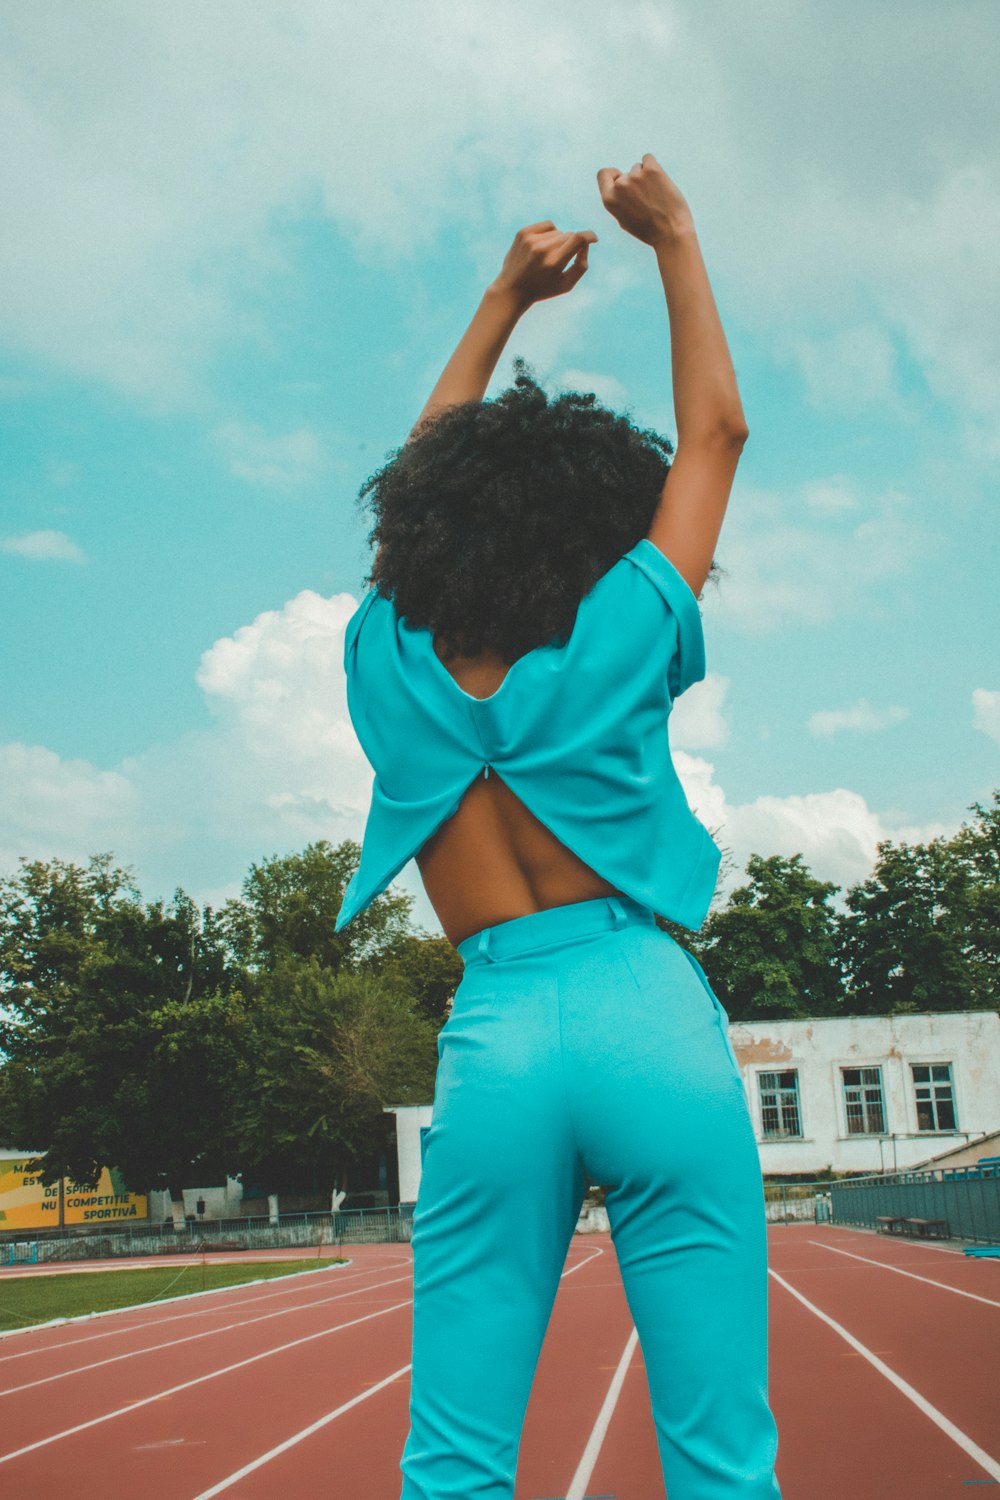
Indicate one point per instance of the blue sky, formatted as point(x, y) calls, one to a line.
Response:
point(236, 255)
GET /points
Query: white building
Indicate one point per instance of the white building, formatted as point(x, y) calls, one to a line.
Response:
point(851, 1093)
point(868, 1093)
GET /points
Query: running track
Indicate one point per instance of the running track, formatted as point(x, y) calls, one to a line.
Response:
point(883, 1381)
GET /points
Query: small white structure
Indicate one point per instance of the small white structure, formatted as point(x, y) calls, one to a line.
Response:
point(868, 1093)
point(214, 1202)
point(411, 1121)
point(160, 1206)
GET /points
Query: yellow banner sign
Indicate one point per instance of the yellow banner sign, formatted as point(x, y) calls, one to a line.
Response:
point(26, 1203)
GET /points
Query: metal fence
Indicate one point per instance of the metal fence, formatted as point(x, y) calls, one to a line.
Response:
point(968, 1200)
point(797, 1202)
point(19, 1252)
point(352, 1226)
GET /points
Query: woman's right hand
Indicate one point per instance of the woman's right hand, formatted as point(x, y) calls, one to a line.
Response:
point(645, 201)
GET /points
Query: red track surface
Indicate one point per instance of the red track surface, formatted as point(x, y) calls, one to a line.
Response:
point(217, 1382)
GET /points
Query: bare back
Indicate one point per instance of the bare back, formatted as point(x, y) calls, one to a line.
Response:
point(493, 860)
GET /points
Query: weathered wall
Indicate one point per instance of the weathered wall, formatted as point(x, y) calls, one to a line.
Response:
point(818, 1049)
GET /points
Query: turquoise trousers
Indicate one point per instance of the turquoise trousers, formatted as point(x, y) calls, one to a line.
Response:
point(585, 1046)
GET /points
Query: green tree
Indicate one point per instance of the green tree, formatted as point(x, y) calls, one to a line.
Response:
point(429, 969)
point(169, 1042)
point(771, 950)
point(289, 906)
point(120, 1028)
point(332, 1049)
point(922, 932)
point(976, 851)
point(331, 1012)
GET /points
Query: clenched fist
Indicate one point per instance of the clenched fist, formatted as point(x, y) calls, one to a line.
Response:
point(537, 265)
point(645, 201)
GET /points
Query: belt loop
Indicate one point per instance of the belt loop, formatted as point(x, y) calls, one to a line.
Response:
point(483, 946)
point(618, 910)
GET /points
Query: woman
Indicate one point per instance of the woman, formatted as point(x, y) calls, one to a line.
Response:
point(532, 618)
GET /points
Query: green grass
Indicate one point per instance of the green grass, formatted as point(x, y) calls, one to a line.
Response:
point(35, 1299)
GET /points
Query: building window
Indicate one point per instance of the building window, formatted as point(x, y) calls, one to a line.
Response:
point(779, 1104)
point(935, 1096)
point(864, 1105)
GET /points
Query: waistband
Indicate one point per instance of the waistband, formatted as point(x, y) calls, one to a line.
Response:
point(554, 924)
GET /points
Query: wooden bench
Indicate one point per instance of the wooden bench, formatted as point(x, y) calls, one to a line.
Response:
point(890, 1224)
point(929, 1228)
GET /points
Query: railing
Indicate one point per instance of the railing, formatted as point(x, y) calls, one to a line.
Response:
point(19, 1252)
point(967, 1198)
point(797, 1202)
point(288, 1231)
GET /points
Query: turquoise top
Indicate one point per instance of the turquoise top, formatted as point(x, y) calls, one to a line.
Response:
point(578, 732)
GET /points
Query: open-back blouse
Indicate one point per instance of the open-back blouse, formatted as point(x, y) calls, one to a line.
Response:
point(579, 732)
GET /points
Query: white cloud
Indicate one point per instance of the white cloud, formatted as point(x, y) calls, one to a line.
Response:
point(281, 681)
point(829, 497)
point(705, 796)
point(51, 807)
point(869, 191)
point(848, 370)
point(44, 546)
point(957, 226)
point(785, 569)
point(835, 831)
point(697, 719)
point(282, 460)
point(986, 712)
point(280, 766)
point(860, 717)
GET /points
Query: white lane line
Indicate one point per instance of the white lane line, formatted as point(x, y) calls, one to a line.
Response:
point(583, 1261)
point(265, 1458)
point(281, 1289)
point(912, 1243)
point(186, 1385)
point(190, 1338)
point(298, 1437)
point(962, 1439)
point(913, 1275)
point(588, 1461)
point(21, 1269)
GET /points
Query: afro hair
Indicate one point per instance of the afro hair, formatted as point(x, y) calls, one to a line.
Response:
point(496, 517)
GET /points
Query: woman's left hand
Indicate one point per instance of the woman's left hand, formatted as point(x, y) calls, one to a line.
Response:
point(535, 266)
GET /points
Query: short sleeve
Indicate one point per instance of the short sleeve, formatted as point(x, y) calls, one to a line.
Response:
point(355, 622)
point(688, 663)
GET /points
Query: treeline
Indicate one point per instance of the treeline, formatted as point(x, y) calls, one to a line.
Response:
point(921, 933)
point(181, 1044)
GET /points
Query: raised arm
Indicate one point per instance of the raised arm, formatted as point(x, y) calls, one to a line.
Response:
point(534, 268)
point(468, 372)
point(711, 427)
